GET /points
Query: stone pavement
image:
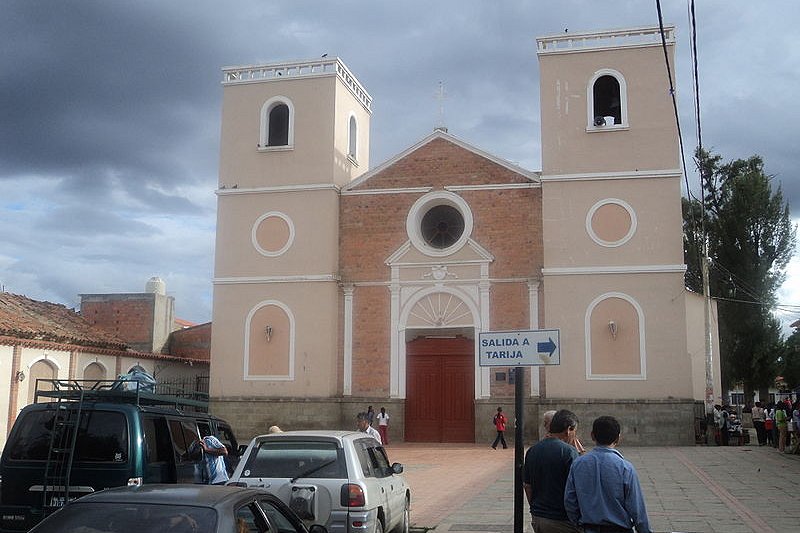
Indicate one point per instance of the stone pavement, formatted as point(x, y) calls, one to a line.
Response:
point(701, 489)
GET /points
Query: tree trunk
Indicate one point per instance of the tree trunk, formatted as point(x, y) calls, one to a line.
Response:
point(763, 395)
point(749, 394)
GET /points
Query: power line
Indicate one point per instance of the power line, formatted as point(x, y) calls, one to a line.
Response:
point(696, 75)
point(672, 94)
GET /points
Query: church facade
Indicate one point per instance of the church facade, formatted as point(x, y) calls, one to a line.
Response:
point(339, 286)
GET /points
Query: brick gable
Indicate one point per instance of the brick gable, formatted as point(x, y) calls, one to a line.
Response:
point(441, 162)
point(507, 222)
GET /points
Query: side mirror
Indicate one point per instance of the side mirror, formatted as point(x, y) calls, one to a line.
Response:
point(397, 468)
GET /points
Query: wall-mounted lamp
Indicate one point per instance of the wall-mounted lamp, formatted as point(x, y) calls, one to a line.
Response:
point(268, 332)
point(20, 375)
point(612, 327)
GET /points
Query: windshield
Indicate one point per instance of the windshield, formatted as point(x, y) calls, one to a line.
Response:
point(123, 518)
point(292, 459)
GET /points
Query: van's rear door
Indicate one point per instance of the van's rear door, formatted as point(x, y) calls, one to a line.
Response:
point(101, 459)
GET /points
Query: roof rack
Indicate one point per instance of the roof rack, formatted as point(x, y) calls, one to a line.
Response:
point(118, 391)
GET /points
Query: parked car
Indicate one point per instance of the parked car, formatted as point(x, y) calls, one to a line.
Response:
point(340, 479)
point(176, 509)
point(82, 440)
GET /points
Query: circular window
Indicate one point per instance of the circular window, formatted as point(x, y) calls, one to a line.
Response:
point(442, 226)
point(439, 223)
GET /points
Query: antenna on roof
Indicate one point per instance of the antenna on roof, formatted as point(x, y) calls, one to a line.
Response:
point(440, 96)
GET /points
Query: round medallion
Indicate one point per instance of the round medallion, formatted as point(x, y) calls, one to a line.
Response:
point(611, 222)
point(272, 234)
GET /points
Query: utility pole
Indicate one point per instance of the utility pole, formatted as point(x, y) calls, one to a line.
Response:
point(708, 337)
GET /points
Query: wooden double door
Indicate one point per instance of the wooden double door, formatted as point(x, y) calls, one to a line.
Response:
point(440, 385)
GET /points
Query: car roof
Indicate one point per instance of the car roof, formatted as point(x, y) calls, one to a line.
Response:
point(324, 434)
point(188, 494)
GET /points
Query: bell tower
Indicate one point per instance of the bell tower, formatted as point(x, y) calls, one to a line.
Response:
point(611, 203)
point(292, 135)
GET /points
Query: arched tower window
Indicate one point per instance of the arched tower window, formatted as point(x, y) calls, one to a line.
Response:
point(353, 138)
point(277, 124)
point(607, 100)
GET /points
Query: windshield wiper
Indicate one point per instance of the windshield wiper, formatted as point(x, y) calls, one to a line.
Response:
point(312, 470)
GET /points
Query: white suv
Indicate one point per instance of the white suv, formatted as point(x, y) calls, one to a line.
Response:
point(339, 479)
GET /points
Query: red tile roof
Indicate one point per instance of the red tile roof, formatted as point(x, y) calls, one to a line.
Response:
point(181, 323)
point(24, 318)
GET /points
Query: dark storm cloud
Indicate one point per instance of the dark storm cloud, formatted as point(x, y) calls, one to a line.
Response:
point(109, 111)
point(93, 85)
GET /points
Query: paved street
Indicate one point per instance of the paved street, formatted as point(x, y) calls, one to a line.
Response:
point(702, 489)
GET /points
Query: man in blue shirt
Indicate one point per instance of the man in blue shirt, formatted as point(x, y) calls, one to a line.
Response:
point(603, 494)
point(545, 475)
point(213, 457)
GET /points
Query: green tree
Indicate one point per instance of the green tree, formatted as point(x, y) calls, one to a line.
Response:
point(790, 362)
point(750, 241)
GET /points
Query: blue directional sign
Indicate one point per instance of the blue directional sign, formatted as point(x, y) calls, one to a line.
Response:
point(539, 347)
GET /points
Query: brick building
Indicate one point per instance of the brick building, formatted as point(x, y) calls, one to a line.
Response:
point(43, 340)
point(339, 286)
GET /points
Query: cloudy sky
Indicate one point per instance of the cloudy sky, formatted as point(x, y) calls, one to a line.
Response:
point(109, 111)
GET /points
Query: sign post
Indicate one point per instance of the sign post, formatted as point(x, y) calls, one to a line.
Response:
point(519, 449)
point(519, 349)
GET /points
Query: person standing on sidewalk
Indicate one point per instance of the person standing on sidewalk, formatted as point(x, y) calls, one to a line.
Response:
point(547, 418)
point(383, 425)
point(602, 493)
point(758, 423)
point(545, 472)
point(500, 425)
point(780, 424)
point(721, 420)
point(796, 423)
point(769, 425)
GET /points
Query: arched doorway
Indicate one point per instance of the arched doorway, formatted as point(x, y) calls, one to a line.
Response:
point(440, 390)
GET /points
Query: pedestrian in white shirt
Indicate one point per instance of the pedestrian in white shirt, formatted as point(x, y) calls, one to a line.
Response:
point(383, 425)
point(362, 420)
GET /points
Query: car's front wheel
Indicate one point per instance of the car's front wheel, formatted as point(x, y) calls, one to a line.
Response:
point(406, 525)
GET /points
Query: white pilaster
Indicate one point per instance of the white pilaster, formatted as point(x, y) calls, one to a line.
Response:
point(533, 303)
point(397, 374)
point(347, 382)
point(481, 372)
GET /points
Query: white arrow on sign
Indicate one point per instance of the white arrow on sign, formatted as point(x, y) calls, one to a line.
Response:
point(541, 347)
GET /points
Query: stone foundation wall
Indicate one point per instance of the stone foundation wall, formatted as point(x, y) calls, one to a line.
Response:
point(253, 416)
point(644, 422)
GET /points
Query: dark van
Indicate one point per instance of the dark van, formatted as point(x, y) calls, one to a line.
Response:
point(80, 438)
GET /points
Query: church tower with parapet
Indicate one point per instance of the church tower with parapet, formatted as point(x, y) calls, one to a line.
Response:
point(611, 203)
point(292, 135)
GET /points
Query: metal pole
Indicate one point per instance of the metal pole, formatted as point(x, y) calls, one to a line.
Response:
point(709, 344)
point(519, 447)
